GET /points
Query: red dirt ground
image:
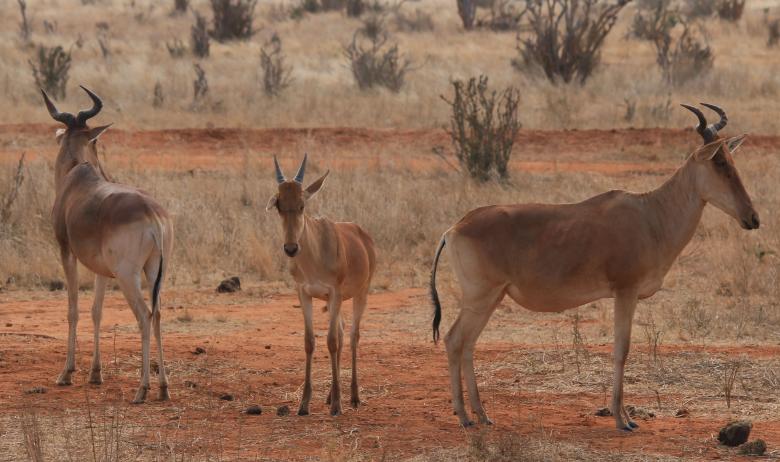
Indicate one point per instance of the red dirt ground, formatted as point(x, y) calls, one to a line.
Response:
point(254, 340)
point(254, 351)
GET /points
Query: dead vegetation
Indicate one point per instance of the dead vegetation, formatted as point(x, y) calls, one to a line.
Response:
point(233, 19)
point(373, 59)
point(483, 127)
point(566, 37)
point(51, 69)
point(276, 74)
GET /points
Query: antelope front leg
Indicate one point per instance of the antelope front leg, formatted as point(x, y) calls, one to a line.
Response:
point(335, 340)
point(308, 344)
point(69, 265)
point(95, 375)
point(358, 306)
point(625, 304)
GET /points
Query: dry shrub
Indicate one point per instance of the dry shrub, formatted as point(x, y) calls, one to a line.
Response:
point(375, 62)
point(467, 10)
point(654, 19)
point(774, 33)
point(684, 55)
point(699, 9)
point(25, 31)
point(158, 99)
point(355, 8)
point(233, 19)
point(483, 127)
point(51, 70)
point(12, 194)
point(200, 86)
point(276, 75)
point(180, 6)
point(199, 37)
point(730, 10)
point(566, 37)
point(504, 16)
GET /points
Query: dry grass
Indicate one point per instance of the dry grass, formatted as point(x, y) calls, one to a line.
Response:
point(744, 78)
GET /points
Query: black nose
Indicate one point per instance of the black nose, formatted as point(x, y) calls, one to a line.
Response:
point(751, 223)
point(755, 222)
point(290, 249)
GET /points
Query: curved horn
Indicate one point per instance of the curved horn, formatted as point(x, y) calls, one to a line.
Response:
point(97, 105)
point(301, 170)
point(64, 117)
point(279, 175)
point(723, 118)
point(702, 128)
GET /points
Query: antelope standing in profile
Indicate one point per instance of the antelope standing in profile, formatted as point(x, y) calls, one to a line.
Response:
point(114, 230)
point(330, 261)
point(550, 258)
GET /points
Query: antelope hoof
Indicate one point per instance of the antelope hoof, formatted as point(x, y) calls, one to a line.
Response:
point(633, 424)
point(64, 379)
point(140, 395)
point(627, 429)
point(96, 377)
point(163, 394)
point(355, 402)
point(467, 423)
point(335, 410)
point(303, 411)
point(484, 420)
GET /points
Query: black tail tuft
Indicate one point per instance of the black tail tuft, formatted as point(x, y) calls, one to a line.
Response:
point(435, 293)
point(157, 284)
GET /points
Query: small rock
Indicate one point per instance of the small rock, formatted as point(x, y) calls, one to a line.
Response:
point(190, 384)
point(268, 347)
point(56, 285)
point(8, 324)
point(226, 397)
point(36, 390)
point(254, 410)
point(753, 448)
point(229, 285)
point(684, 412)
point(282, 411)
point(198, 351)
point(735, 433)
point(604, 412)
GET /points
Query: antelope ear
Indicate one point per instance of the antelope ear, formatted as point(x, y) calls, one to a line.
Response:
point(312, 189)
point(272, 202)
point(59, 134)
point(708, 151)
point(94, 133)
point(735, 142)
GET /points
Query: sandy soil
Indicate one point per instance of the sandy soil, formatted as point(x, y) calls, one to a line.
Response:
point(253, 344)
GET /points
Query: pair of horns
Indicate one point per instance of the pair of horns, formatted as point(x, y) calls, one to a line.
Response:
point(708, 133)
point(79, 120)
point(298, 176)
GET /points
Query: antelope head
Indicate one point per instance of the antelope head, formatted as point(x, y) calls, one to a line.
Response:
point(77, 141)
point(717, 178)
point(290, 201)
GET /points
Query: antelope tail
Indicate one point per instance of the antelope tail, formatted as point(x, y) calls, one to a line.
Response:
point(434, 293)
point(158, 239)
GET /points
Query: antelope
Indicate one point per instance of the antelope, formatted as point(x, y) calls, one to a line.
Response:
point(330, 261)
point(550, 258)
point(115, 231)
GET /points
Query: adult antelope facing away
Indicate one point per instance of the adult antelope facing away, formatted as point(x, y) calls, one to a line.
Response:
point(114, 230)
point(330, 261)
point(550, 258)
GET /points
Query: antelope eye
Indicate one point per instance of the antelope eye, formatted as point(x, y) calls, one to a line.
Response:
point(301, 209)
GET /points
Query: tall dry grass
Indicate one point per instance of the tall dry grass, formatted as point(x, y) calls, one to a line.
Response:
point(745, 77)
